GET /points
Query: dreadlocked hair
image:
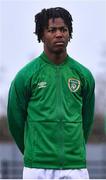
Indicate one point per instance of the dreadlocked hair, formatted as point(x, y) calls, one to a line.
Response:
point(41, 20)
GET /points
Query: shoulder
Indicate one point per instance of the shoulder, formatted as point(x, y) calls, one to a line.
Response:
point(30, 68)
point(23, 76)
point(83, 71)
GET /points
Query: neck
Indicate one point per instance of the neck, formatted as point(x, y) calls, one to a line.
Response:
point(56, 58)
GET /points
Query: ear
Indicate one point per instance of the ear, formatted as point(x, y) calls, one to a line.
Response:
point(43, 38)
point(69, 38)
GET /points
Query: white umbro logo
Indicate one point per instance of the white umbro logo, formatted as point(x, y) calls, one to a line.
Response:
point(42, 84)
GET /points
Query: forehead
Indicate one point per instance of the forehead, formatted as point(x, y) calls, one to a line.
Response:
point(57, 22)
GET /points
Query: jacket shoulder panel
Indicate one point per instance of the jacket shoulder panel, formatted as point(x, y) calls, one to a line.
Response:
point(83, 71)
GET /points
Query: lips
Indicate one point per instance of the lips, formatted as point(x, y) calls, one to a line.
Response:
point(59, 43)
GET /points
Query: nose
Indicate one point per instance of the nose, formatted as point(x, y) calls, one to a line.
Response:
point(58, 34)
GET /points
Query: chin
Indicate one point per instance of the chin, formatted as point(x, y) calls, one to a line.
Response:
point(59, 51)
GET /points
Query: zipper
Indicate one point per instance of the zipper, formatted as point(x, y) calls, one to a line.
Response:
point(60, 117)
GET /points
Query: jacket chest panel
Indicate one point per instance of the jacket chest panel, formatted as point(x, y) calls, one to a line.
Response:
point(56, 81)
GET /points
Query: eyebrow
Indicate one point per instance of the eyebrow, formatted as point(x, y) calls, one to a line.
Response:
point(57, 27)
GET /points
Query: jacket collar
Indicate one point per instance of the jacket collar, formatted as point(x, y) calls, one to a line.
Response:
point(47, 60)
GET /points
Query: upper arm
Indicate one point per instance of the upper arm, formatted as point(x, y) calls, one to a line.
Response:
point(18, 97)
point(88, 105)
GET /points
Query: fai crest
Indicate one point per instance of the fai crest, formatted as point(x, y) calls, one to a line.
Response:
point(73, 84)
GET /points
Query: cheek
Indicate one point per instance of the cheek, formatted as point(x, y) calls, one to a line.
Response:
point(67, 39)
point(48, 40)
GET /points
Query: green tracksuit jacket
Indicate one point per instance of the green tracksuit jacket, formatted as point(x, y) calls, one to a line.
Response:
point(50, 113)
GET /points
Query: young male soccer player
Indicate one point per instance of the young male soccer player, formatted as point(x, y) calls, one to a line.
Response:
point(51, 104)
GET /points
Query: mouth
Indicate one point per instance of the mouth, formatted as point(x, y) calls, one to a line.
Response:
point(59, 43)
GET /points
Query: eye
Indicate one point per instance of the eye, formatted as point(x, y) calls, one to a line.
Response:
point(64, 29)
point(52, 30)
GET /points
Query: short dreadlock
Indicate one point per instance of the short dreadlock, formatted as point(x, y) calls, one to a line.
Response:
point(41, 20)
